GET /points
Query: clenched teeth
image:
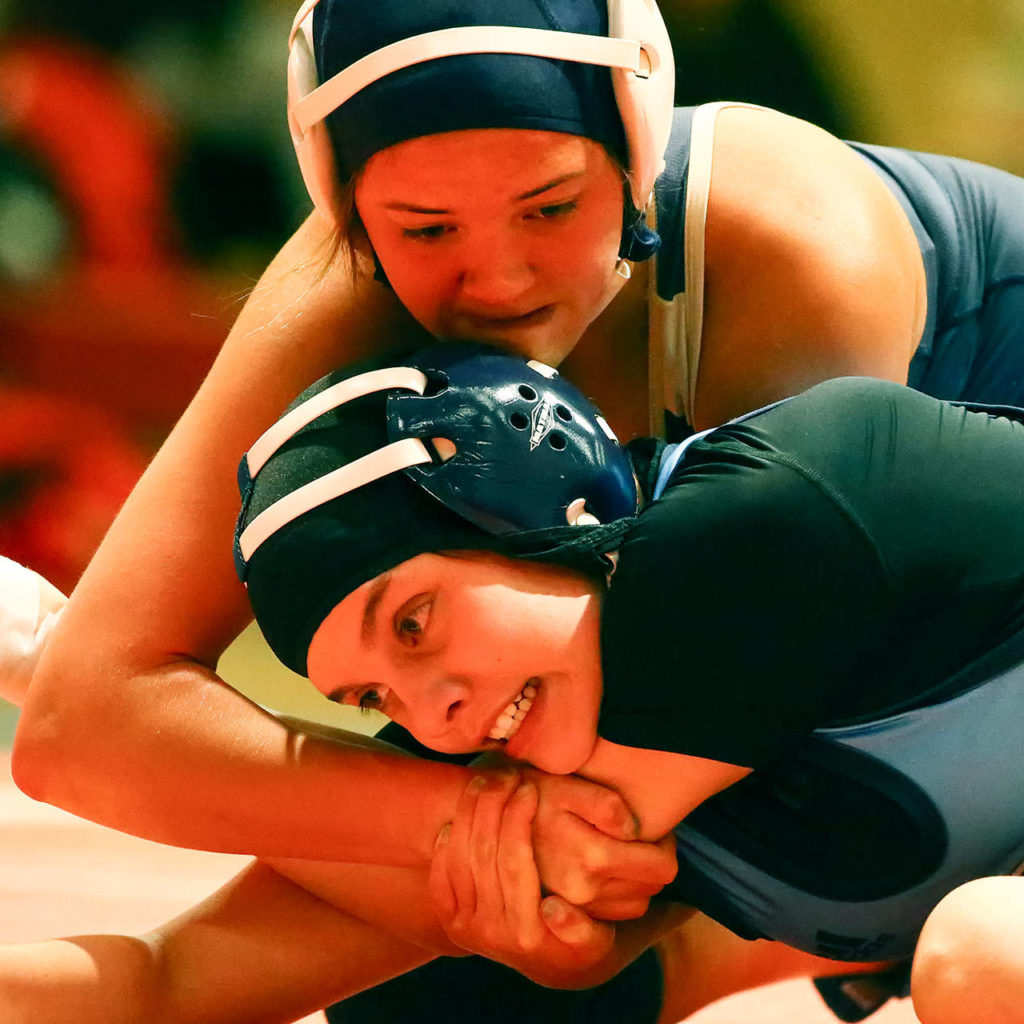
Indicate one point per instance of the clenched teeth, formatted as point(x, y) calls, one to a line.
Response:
point(508, 722)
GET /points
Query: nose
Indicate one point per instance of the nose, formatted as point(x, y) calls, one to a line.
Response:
point(438, 715)
point(495, 274)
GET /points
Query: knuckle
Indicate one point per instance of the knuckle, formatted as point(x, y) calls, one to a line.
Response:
point(610, 804)
point(595, 858)
point(579, 890)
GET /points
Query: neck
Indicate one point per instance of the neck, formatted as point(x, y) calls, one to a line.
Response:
point(610, 361)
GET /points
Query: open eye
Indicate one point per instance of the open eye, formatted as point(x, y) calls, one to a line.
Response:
point(372, 699)
point(366, 698)
point(554, 210)
point(427, 233)
point(412, 619)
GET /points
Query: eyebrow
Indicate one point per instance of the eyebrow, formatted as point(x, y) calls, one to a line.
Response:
point(413, 208)
point(554, 183)
point(377, 591)
point(530, 194)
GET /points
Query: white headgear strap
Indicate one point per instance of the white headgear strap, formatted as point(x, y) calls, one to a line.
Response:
point(450, 42)
point(410, 451)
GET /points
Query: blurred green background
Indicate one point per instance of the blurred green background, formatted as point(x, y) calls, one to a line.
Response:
point(146, 176)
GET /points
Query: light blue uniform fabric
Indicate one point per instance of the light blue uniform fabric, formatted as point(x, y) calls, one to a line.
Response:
point(969, 223)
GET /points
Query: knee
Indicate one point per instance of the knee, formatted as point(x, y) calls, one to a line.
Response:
point(967, 966)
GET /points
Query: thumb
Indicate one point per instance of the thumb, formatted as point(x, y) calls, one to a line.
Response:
point(439, 884)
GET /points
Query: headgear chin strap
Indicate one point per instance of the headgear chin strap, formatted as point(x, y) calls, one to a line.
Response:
point(639, 242)
point(637, 51)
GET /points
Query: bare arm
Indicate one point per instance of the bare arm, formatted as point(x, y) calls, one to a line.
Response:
point(127, 691)
point(260, 951)
point(263, 950)
point(662, 787)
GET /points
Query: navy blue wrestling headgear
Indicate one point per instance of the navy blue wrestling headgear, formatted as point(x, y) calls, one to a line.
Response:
point(362, 77)
point(459, 446)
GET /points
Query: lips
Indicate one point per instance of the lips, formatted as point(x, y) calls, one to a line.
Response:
point(507, 724)
point(486, 322)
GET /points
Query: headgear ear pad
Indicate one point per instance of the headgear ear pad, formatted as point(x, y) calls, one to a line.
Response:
point(643, 84)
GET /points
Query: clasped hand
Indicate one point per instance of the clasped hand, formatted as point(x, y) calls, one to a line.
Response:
point(529, 866)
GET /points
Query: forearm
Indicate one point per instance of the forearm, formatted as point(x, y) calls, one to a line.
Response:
point(394, 901)
point(209, 770)
point(259, 951)
point(83, 979)
point(126, 722)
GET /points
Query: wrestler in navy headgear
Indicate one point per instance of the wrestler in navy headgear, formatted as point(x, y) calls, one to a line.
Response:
point(344, 71)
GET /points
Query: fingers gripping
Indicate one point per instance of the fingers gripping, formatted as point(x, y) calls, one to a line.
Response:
point(466, 888)
point(517, 869)
point(604, 809)
point(487, 892)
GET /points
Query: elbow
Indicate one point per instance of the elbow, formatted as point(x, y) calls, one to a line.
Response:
point(56, 745)
point(39, 755)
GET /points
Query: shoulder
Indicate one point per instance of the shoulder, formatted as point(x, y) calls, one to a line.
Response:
point(811, 266)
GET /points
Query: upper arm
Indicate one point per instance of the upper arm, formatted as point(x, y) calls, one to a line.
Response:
point(162, 585)
point(812, 268)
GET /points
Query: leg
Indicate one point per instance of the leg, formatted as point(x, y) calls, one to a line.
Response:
point(702, 961)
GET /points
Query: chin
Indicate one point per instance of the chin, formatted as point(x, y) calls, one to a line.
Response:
point(546, 343)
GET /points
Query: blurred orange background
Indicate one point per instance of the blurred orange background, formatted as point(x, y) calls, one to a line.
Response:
point(146, 177)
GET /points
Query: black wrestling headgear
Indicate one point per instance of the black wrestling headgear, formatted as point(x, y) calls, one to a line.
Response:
point(456, 447)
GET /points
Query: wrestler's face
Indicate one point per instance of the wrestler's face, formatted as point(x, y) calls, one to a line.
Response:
point(445, 644)
point(503, 235)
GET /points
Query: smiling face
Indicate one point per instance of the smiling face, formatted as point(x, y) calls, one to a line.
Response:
point(472, 652)
point(501, 234)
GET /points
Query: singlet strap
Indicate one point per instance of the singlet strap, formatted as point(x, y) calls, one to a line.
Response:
point(676, 326)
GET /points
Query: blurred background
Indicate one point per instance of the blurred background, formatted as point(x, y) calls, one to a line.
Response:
point(146, 177)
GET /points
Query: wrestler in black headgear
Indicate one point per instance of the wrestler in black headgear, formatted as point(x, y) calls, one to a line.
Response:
point(457, 447)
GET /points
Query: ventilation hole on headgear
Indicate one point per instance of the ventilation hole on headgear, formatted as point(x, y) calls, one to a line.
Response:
point(527, 392)
point(557, 441)
point(519, 420)
point(437, 381)
point(563, 414)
